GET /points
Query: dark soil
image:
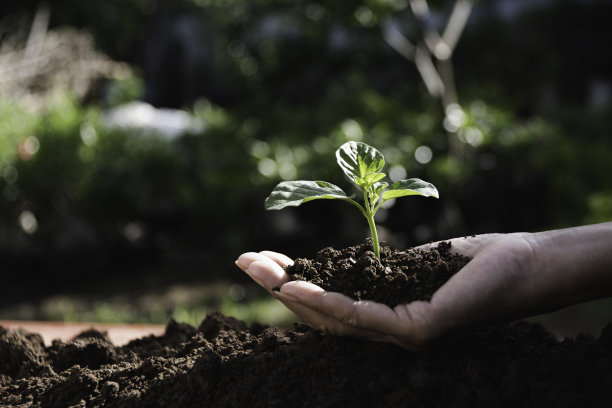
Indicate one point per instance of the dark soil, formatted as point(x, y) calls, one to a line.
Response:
point(225, 363)
point(398, 277)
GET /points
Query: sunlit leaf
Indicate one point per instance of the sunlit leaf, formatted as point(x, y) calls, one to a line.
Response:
point(378, 187)
point(294, 193)
point(372, 178)
point(361, 164)
point(357, 160)
point(375, 191)
point(413, 186)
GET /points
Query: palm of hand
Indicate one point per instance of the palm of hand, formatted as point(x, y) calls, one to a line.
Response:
point(486, 289)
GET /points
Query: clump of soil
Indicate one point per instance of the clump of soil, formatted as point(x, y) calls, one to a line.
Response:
point(398, 277)
point(226, 363)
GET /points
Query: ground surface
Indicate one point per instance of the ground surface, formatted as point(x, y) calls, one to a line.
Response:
point(225, 363)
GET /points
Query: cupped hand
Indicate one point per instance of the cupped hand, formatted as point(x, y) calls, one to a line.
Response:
point(491, 287)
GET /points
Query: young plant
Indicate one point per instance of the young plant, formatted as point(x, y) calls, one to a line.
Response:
point(362, 164)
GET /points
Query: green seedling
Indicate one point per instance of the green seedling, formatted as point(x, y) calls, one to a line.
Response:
point(362, 164)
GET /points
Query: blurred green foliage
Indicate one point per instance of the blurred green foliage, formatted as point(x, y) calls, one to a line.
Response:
point(189, 304)
point(65, 165)
point(513, 160)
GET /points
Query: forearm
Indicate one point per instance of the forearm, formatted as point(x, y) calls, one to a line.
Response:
point(520, 275)
point(572, 265)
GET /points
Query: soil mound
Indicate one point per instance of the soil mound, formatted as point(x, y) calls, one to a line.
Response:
point(226, 363)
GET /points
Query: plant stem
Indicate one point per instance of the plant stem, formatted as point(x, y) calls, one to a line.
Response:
point(369, 213)
point(370, 218)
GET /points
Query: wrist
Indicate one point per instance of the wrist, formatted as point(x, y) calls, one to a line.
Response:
point(574, 265)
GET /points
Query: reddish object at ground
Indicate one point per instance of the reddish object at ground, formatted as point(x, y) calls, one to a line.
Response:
point(119, 334)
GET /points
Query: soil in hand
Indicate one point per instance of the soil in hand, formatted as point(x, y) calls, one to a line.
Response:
point(398, 277)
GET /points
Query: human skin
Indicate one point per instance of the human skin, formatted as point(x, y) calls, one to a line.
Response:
point(510, 276)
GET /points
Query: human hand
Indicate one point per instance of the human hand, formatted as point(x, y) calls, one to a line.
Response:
point(481, 292)
point(505, 279)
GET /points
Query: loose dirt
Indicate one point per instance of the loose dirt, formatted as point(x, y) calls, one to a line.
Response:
point(398, 277)
point(225, 363)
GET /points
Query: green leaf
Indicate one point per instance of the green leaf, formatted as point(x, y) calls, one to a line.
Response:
point(372, 178)
point(357, 160)
point(294, 193)
point(375, 191)
point(413, 186)
point(378, 187)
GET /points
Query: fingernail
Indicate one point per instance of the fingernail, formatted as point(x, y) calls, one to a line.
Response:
point(282, 296)
point(238, 264)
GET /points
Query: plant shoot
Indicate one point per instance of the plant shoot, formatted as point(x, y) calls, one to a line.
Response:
point(362, 164)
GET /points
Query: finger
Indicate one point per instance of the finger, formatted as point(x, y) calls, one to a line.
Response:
point(466, 246)
point(327, 324)
point(247, 259)
point(366, 315)
point(262, 269)
point(267, 273)
point(282, 260)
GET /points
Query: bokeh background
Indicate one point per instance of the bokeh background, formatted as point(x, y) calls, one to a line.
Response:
point(139, 138)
